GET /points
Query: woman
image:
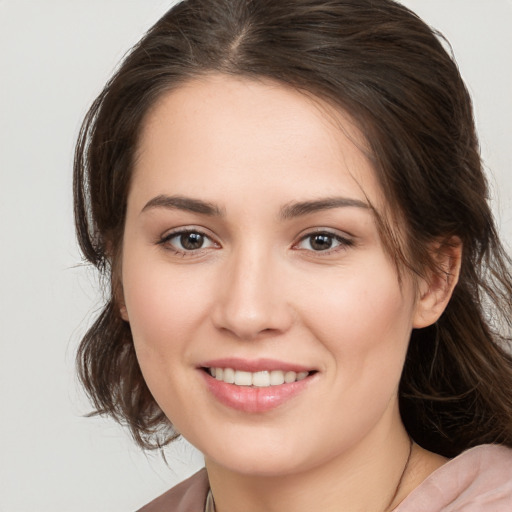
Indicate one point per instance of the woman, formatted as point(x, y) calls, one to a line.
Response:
point(306, 280)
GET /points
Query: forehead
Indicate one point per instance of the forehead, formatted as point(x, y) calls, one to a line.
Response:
point(229, 131)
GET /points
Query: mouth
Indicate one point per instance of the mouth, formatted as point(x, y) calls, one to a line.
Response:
point(256, 386)
point(259, 379)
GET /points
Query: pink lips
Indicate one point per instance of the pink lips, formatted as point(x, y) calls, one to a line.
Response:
point(254, 399)
point(257, 365)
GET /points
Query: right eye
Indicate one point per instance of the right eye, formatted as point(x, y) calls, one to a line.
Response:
point(323, 242)
point(187, 241)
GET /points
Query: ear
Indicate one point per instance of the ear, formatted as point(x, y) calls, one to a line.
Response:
point(120, 303)
point(124, 312)
point(118, 293)
point(116, 280)
point(436, 288)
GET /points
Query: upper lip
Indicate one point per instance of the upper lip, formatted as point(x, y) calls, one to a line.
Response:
point(255, 365)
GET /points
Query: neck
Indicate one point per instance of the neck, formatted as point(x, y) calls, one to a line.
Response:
point(367, 477)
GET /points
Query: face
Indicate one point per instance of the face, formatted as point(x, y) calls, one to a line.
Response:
point(267, 318)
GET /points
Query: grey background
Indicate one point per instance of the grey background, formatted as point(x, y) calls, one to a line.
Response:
point(55, 55)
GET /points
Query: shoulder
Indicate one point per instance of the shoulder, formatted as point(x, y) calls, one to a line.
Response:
point(187, 496)
point(478, 480)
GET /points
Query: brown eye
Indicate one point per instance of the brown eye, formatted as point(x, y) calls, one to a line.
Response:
point(187, 241)
point(192, 241)
point(321, 242)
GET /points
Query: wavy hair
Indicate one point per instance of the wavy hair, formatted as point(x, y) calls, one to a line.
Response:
point(377, 61)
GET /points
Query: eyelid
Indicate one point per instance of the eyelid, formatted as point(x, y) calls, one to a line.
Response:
point(345, 240)
point(164, 239)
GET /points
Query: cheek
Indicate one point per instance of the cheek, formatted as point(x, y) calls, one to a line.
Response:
point(364, 319)
point(164, 310)
point(159, 300)
point(365, 298)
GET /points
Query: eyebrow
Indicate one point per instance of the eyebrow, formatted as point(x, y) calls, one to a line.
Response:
point(183, 203)
point(289, 211)
point(298, 209)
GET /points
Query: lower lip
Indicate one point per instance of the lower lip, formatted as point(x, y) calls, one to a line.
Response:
point(251, 398)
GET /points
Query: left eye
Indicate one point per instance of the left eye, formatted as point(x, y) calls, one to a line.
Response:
point(322, 242)
point(186, 241)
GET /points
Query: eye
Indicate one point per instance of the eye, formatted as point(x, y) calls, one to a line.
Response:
point(323, 241)
point(186, 241)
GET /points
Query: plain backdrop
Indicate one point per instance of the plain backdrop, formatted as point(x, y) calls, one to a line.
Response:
point(55, 55)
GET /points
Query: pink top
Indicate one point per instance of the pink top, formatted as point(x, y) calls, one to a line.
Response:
point(478, 480)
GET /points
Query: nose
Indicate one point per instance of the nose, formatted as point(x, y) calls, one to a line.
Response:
point(252, 301)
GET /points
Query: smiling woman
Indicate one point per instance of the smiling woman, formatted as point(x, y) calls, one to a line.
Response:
point(289, 201)
point(279, 282)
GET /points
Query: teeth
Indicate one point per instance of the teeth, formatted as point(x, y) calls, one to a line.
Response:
point(229, 376)
point(243, 378)
point(276, 378)
point(290, 377)
point(261, 379)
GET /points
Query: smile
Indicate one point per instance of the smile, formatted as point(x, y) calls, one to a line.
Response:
point(260, 379)
point(256, 386)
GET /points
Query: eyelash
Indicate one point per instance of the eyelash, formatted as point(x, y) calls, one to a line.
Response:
point(342, 242)
point(166, 241)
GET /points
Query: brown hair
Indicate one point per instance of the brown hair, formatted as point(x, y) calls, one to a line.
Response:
point(379, 62)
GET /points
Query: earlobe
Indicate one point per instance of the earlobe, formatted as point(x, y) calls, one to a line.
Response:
point(117, 289)
point(124, 313)
point(119, 301)
point(435, 290)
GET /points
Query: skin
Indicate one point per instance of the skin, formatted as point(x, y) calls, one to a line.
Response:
point(257, 288)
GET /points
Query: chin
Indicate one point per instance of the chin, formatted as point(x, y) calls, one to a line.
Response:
point(267, 458)
point(269, 466)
